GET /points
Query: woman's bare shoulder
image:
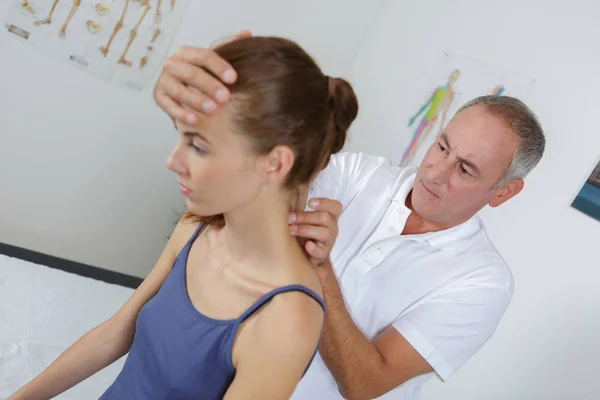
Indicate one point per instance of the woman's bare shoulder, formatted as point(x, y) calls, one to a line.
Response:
point(305, 275)
point(181, 234)
point(297, 307)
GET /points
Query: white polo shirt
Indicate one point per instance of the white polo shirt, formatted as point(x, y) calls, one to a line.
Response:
point(445, 291)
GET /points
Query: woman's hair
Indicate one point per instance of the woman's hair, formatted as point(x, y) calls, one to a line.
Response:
point(281, 97)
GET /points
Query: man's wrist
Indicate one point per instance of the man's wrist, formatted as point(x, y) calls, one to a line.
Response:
point(325, 271)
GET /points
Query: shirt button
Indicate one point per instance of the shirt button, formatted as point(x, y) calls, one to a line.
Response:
point(392, 229)
point(401, 210)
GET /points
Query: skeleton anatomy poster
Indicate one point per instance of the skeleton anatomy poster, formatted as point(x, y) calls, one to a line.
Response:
point(124, 41)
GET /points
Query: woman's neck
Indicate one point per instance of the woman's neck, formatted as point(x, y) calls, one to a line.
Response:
point(260, 231)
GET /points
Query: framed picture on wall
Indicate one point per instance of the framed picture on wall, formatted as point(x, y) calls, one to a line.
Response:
point(588, 199)
point(122, 41)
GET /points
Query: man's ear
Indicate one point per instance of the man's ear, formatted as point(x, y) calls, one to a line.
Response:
point(506, 192)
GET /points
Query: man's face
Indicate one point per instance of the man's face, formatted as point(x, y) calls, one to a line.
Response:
point(462, 167)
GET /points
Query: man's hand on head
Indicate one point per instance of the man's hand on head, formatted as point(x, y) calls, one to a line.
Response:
point(188, 82)
point(319, 227)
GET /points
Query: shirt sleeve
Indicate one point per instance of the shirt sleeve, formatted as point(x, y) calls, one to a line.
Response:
point(449, 329)
point(343, 174)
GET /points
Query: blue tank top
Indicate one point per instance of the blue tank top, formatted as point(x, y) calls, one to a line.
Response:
point(177, 352)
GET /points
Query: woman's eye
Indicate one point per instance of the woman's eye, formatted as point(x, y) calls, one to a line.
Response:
point(197, 149)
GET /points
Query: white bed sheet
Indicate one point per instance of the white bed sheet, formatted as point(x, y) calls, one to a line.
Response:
point(42, 312)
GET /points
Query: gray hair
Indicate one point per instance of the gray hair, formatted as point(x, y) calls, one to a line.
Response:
point(525, 124)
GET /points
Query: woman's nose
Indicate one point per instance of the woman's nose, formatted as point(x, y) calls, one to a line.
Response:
point(175, 164)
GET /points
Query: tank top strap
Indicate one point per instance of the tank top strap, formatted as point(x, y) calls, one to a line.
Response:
point(194, 235)
point(267, 297)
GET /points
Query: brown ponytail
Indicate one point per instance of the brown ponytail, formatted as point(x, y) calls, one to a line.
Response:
point(344, 109)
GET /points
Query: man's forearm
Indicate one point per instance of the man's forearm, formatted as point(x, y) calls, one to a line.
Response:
point(352, 359)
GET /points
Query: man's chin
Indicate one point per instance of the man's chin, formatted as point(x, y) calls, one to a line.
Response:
point(423, 199)
point(425, 208)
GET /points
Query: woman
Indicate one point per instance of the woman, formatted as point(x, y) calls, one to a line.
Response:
point(232, 308)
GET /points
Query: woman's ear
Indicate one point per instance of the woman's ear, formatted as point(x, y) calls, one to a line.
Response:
point(278, 163)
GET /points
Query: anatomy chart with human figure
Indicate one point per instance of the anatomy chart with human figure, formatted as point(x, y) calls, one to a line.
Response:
point(455, 81)
point(124, 41)
point(437, 104)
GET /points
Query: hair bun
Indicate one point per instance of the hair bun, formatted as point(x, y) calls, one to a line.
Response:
point(344, 107)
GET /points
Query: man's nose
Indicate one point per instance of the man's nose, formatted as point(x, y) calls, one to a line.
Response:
point(441, 172)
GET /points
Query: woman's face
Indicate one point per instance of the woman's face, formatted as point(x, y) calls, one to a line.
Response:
point(216, 169)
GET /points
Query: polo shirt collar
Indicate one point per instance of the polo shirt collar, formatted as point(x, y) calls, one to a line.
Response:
point(452, 239)
point(405, 188)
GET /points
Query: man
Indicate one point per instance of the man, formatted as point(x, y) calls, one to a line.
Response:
point(413, 285)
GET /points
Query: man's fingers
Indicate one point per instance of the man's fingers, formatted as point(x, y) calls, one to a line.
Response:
point(319, 218)
point(174, 110)
point(316, 233)
point(183, 74)
point(330, 206)
point(317, 252)
point(208, 60)
point(185, 97)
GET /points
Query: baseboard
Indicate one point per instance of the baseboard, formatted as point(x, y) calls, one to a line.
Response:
point(62, 264)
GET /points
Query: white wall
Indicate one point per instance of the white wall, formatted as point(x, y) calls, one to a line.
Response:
point(547, 345)
point(82, 171)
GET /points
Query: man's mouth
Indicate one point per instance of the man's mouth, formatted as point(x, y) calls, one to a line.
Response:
point(429, 190)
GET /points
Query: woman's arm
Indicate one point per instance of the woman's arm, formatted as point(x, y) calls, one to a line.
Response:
point(274, 351)
point(110, 340)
